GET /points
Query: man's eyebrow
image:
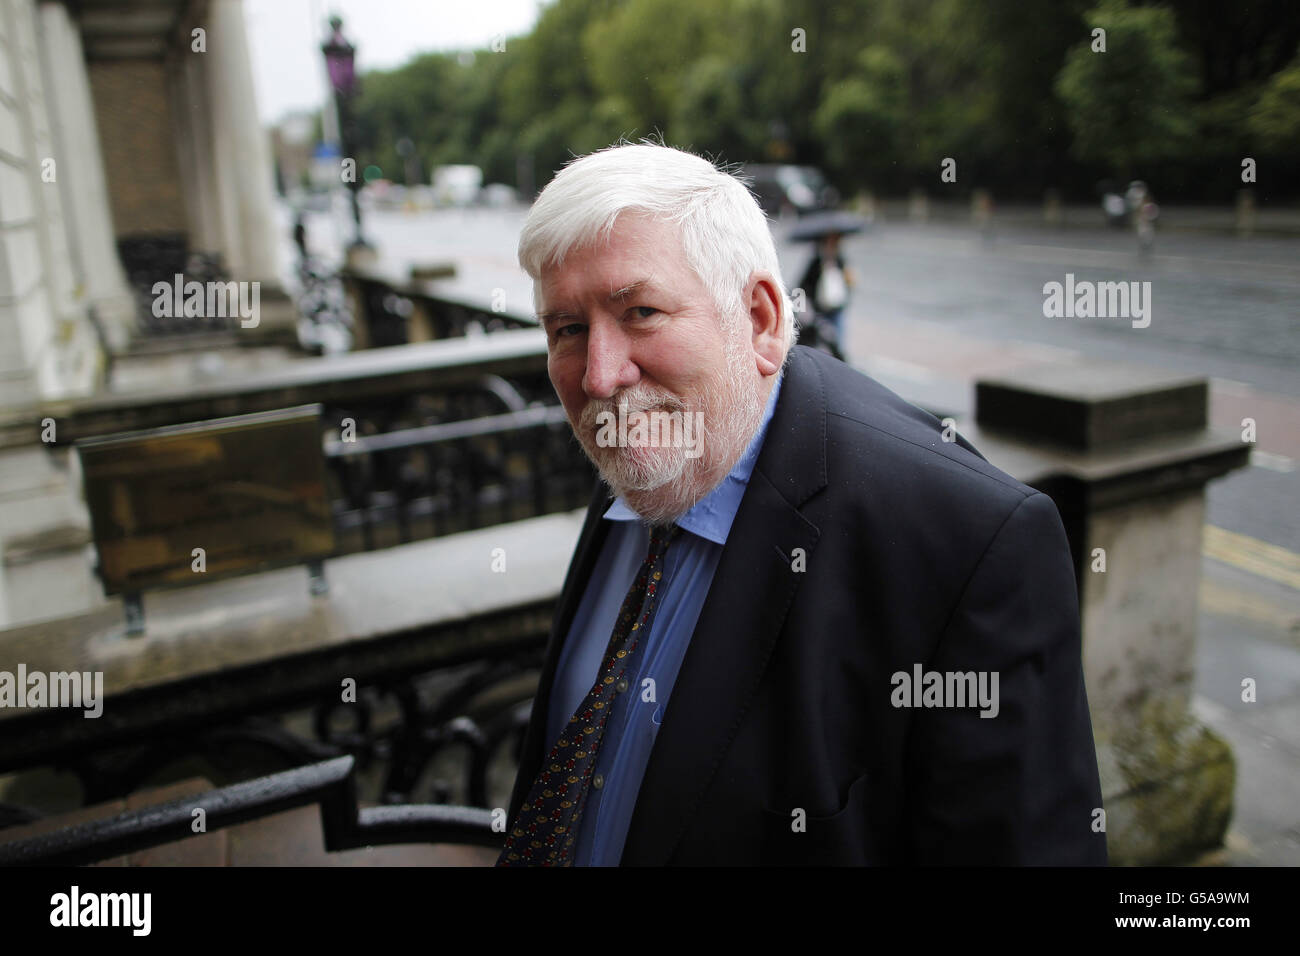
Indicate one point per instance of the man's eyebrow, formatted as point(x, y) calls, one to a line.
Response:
point(617, 295)
point(629, 290)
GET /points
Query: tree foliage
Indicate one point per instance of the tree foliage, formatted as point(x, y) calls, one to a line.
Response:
point(1132, 100)
point(1275, 117)
point(878, 92)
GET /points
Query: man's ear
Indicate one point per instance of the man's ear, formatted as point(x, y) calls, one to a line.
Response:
point(764, 297)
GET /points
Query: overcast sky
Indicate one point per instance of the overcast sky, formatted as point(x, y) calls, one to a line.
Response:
point(284, 37)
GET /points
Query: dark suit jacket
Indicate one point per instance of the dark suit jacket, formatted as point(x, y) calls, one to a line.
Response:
point(917, 551)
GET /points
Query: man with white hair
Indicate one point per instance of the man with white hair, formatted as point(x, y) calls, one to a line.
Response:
point(807, 629)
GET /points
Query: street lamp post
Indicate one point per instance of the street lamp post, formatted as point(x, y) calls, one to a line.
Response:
point(340, 56)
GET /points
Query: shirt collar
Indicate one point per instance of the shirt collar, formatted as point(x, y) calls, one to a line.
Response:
point(711, 517)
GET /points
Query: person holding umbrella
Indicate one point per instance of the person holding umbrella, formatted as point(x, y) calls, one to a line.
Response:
point(827, 280)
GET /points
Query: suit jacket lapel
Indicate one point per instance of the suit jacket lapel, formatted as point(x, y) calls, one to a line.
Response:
point(748, 601)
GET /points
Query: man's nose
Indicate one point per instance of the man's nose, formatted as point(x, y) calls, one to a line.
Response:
point(609, 361)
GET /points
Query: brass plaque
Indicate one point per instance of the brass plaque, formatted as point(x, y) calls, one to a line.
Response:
point(249, 491)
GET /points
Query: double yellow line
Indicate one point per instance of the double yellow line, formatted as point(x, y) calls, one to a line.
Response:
point(1250, 554)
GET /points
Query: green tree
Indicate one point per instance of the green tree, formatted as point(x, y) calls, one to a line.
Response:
point(642, 52)
point(877, 92)
point(861, 119)
point(1132, 103)
point(714, 114)
point(548, 95)
point(1275, 117)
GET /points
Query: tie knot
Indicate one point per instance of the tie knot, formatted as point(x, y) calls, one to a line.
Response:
point(661, 536)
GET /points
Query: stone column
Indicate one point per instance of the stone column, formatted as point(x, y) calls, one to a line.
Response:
point(1125, 453)
point(100, 280)
point(240, 151)
point(47, 346)
point(192, 119)
point(18, 273)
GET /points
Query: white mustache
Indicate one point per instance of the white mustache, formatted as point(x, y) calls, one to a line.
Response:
point(633, 401)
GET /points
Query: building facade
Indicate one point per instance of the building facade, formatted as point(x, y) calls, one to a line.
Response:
point(123, 123)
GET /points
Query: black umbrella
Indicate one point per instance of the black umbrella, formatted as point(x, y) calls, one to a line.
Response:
point(815, 226)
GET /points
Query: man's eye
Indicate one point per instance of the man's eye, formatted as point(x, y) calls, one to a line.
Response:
point(644, 311)
point(573, 328)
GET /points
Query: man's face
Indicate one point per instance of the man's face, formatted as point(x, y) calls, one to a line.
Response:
point(629, 323)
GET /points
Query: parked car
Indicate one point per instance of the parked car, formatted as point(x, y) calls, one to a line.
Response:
point(783, 188)
point(498, 195)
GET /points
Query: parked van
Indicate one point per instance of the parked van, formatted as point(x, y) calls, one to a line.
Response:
point(456, 185)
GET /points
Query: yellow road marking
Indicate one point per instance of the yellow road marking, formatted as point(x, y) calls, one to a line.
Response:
point(1284, 618)
point(1251, 554)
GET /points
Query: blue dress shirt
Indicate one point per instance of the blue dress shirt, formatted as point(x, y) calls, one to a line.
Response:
point(639, 710)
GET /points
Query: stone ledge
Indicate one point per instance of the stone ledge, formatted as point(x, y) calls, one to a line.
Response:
point(260, 618)
point(1091, 404)
point(48, 542)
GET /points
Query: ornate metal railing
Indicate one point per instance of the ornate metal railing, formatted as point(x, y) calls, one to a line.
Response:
point(325, 321)
point(448, 735)
point(395, 313)
point(458, 475)
point(149, 259)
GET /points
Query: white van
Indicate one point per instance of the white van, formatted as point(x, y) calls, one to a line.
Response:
point(456, 185)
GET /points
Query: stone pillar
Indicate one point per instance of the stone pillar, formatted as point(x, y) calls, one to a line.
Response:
point(48, 348)
point(241, 154)
point(1245, 217)
point(918, 206)
point(981, 212)
point(192, 119)
point(101, 282)
point(1053, 208)
point(19, 270)
point(1125, 453)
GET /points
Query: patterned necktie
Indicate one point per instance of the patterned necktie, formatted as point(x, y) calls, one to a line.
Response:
point(547, 824)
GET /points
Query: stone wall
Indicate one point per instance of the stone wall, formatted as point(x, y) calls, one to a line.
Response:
point(134, 118)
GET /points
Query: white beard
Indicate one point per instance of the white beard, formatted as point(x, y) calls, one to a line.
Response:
point(662, 483)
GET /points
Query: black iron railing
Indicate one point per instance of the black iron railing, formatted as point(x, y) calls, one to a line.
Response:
point(331, 784)
point(438, 479)
point(389, 308)
point(150, 259)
